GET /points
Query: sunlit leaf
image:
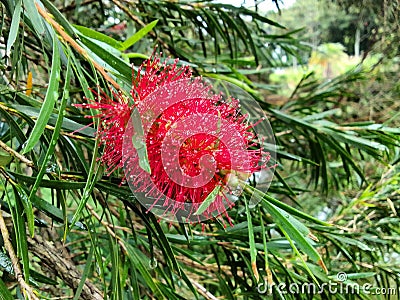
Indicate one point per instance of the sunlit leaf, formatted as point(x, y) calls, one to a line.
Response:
point(49, 101)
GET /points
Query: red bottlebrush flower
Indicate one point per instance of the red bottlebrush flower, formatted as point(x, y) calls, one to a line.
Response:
point(115, 112)
point(114, 115)
point(197, 142)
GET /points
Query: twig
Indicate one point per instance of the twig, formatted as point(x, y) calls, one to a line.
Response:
point(141, 23)
point(73, 5)
point(14, 153)
point(75, 45)
point(14, 260)
point(108, 227)
point(71, 135)
point(16, 113)
point(202, 290)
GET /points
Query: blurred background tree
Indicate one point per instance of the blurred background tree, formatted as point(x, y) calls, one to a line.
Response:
point(330, 90)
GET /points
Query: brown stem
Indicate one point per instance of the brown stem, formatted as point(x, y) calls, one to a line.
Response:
point(108, 227)
point(202, 290)
point(73, 5)
point(14, 153)
point(14, 260)
point(75, 45)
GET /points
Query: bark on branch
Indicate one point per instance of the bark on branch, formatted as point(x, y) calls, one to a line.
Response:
point(62, 267)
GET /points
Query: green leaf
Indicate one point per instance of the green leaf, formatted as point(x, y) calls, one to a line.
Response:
point(20, 231)
point(79, 72)
point(36, 276)
point(137, 36)
point(14, 127)
point(138, 262)
point(321, 115)
point(56, 132)
point(90, 183)
point(232, 80)
point(266, 198)
point(207, 202)
point(190, 285)
point(138, 141)
point(59, 17)
point(134, 284)
point(4, 292)
point(67, 123)
point(26, 203)
point(113, 61)
point(345, 240)
point(52, 184)
point(286, 223)
point(165, 245)
point(115, 287)
point(53, 212)
point(254, 14)
point(135, 55)
point(249, 39)
point(85, 273)
point(49, 101)
point(253, 250)
point(265, 248)
point(99, 36)
point(14, 28)
point(34, 16)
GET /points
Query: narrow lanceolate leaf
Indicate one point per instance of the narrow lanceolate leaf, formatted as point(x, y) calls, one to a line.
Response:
point(112, 59)
point(14, 29)
point(56, 131)
point(17, 213)
point(49, 101)
point(207, 202)
point(4, 292)
point(59, 17)
point(92, 172)
point(165, 245)
point(137, 36)
point(138, 141)
point(138, 262)
point(265, 248)
point(85, 273)
point(266, 198)
point(99, 36)
point(253, 249)
point(34, 16)
point(287, 224)
point(27, 205)
point(90, 182)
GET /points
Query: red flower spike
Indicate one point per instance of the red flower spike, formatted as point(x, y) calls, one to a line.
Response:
point(196, 142)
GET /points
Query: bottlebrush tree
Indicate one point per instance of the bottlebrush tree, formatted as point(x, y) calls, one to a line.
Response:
point(132, 175)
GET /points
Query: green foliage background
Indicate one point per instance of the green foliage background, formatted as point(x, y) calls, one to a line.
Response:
point(76, 232)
